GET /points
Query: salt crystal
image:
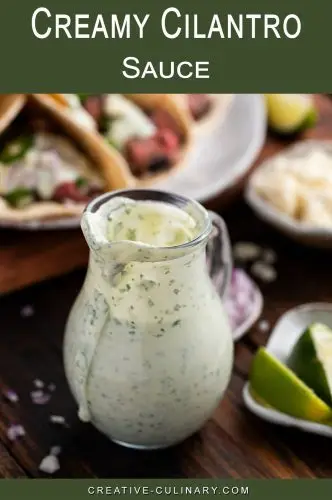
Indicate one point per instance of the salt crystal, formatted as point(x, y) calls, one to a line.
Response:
point(264, 325)
point(38, 383)
point(11, 396)
point(27, 311)
point(15, 431)
point(263, 271)
point(246, 251)
point(49, 464)
point(57, 419)
point(269, 256)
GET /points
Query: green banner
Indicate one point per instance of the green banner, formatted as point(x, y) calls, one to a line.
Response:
point(180, 488)
point(160, 46)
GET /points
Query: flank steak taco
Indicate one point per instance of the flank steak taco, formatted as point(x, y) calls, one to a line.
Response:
point(47, 169)
point(150, 131)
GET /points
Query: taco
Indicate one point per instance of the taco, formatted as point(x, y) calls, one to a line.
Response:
point(149, 130)
point(46, 169)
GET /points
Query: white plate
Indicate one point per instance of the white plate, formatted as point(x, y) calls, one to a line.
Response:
point(303, 233)
point(218, 160)
point(281, 342)
point(222, 157)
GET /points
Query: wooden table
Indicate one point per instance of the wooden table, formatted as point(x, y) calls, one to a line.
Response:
point(234, 443)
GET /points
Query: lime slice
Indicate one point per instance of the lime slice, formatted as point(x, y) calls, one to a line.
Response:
point(278, 387)
point(291, 113)
point(311, 360)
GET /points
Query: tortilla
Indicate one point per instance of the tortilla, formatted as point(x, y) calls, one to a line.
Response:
point(10, 107)
point(147, 102)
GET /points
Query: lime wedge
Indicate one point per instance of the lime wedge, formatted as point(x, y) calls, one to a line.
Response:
point(311, 360)
point(278, 387)
point(291, 113)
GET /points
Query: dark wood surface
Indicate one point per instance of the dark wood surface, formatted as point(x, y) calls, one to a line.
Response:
point(234, 443)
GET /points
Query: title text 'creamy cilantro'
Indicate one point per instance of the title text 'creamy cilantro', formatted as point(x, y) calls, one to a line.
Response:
point(174, 24)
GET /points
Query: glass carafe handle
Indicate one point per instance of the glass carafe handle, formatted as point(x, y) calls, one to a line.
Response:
point(219, 254)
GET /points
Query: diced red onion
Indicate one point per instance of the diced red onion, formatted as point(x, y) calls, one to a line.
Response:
point(40, 397)
point(11, 396)
point(240, 299)
point(15, 431)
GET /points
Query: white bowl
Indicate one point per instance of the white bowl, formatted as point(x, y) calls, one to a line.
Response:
point(281, 342)
point(303, 233)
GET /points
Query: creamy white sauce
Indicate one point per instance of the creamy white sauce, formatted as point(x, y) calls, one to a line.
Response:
point(51, 161)
point(153, 223)
point(79, 113)
point(128, 121)
point(148, 348)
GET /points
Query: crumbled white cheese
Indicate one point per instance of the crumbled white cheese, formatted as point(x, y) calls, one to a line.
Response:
point(15, 431)
point(299, 186)
point(11, 396)
point(246, 251)
point(263, 271)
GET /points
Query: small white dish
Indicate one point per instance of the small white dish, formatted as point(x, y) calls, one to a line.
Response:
point(303, 233)
point(284, 336)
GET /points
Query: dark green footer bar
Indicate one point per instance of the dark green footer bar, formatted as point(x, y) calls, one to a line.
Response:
point(77, 489)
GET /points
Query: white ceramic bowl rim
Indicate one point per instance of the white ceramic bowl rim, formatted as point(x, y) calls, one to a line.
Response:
point(275, 216)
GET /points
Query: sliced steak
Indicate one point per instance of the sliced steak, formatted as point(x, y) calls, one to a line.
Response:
point(69, 191)
point(163, 120)
point(152, 154)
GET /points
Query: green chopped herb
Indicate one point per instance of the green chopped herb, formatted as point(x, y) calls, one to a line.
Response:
point(151, 303)
point(20, 197)
point(81, 182)
point(16, 149)
point(176, 323)
point(131, 234)
point(83, 97)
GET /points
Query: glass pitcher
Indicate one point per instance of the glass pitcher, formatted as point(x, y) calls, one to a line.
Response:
point(148, 350)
